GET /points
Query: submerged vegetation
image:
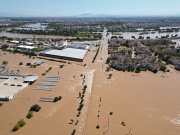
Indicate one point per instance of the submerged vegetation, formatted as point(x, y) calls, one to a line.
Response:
point(20, 124)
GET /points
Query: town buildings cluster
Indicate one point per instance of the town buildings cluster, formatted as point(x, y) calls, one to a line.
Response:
point(75, 51)
point(141, 57)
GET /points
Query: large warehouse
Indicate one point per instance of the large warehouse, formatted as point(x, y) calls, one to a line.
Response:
point(10, 86)
point(67, 54)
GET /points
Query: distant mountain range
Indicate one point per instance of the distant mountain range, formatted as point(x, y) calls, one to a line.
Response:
point(5, 14)
point(91, 15)
point(96, 15)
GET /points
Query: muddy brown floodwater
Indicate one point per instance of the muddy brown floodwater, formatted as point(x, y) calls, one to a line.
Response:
point(147, 103)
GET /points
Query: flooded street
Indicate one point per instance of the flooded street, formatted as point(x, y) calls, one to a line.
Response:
point(147, 103)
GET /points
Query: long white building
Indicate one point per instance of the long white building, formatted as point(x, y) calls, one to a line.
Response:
point(67, 54)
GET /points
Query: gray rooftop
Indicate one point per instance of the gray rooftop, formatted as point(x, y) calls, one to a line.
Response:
point(31, 78)
point(68, 52)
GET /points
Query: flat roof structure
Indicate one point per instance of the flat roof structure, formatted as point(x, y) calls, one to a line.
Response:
point(31, 78)
point(29, 43)
point(2, 66)
point(39, 62)
point(47, 99)
point(26, 47)
point(67, 54)
point(47, 83)
point(14, 41)
point(2, 79)
point(10, 86)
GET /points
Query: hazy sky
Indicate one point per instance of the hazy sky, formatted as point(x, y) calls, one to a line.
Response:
point(77, 7)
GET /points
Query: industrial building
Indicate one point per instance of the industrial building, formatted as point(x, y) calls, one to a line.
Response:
point(10, 86)
point(25, 47)
point(67, 54)
point(81, 45)
point(62, 43)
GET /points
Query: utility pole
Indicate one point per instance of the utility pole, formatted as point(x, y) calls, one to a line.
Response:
point(108, 127)
point(108, 124)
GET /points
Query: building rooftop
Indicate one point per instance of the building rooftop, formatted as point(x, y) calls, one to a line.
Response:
point(10, 86)
point(14, 41)
point(26, 47)
point(30, 78)
point(68, 52)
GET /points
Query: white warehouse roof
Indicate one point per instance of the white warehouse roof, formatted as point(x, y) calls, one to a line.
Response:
point(68, 52)
point(26, 47)
point(29, 43)
point(16, 42)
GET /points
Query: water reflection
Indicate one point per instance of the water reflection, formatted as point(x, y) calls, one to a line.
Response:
point(15, 35)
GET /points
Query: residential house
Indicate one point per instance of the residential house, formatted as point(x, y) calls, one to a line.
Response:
point(142, 50)
point(174, 60)
point(123, 66)
point(177, 66)
point(143, 64)
point(136, 60)
point(169, 51)
point(141, 56)
point(157, 48)
point(155, 66)
point(150, 58)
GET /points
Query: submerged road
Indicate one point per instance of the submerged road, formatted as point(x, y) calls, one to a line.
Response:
point(104, 49)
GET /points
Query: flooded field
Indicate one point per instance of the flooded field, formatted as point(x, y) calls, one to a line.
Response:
point(147, 103)
point(126, 35)
point(152, 35)
point(35, 26)
point(177, 42)
point(53, 118)
point(14, 35)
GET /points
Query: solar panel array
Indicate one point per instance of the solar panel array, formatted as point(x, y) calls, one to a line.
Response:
point(48, 83)
point(47, 99)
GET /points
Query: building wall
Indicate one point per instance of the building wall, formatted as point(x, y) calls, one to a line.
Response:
point(61, 57)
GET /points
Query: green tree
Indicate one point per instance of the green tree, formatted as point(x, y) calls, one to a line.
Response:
point(56, 99)
point(97, 126)
point(30, 114)
point(138, 69)
point(16, 127)
point(5, 62)
point(110, 75)
point(21, 122)
point(108, 68)
point(108, 60)
point(163, 68)
point(35, 107)
point(60, 97)
point(20, 63)
point(85, 87)
point(155, 71)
